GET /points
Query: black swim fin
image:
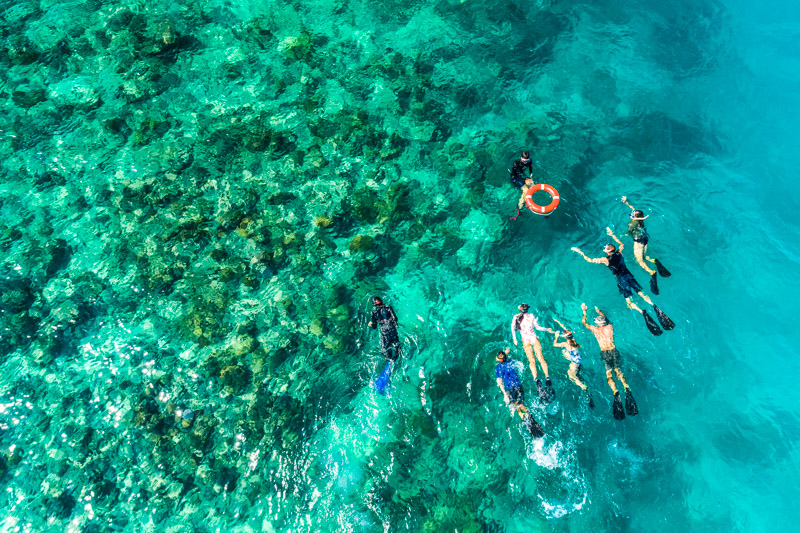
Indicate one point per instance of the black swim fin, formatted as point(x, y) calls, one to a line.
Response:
point(666, 322)
point(630, 404)
point(544, 396)
point(616, 409)
point(533, 426)
point(662, 270)
point(651, 324)
point(589, 398)
point(551, 392)
point(654, 283)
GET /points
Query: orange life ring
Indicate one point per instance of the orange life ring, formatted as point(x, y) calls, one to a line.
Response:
point(536, 208)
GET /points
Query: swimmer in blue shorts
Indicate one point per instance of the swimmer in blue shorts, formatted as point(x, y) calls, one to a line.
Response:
point(508, 380)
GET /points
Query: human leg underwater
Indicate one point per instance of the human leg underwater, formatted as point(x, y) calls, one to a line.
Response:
point(640, 252)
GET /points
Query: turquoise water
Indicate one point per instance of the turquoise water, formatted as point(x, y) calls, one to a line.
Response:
point(199, 199)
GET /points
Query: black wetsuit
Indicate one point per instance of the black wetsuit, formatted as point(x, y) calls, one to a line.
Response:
point(383, 316)
point(517, 172)
point(626, 283)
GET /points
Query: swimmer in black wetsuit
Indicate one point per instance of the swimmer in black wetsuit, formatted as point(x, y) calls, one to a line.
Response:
point(627, 284)
point(383, 316)
point(518, 170)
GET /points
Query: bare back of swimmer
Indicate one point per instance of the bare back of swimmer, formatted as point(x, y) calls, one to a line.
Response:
point(604, 333)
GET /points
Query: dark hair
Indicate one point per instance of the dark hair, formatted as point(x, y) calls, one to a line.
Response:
point(376, 300)
point(524, 307)
point(501, 355)
point(611, 245)
point(633, 223)
point(526, 155)
point(572, 342)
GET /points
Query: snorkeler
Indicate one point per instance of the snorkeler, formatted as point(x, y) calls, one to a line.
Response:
point(627, 284)
point(573, 355)
point(604, 333)
point(527, 324)
point(510, 384)
point(384, 317)
point(518, 169)
point(638, 232)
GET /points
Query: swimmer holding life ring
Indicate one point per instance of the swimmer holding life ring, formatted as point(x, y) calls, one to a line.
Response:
point(527, 197)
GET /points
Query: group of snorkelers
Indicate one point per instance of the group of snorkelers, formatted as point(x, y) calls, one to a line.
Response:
point(508, 379)
point(602, 329)
point(506, 371)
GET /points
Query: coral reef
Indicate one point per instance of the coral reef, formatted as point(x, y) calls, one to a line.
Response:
point(199, 200)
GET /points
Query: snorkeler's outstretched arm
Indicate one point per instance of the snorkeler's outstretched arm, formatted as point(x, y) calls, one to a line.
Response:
point(563, 327)
point(586, 324)
point(599, 260)
point(557, 344)
point(619, 242)
point(625, 201)
point(541, 328)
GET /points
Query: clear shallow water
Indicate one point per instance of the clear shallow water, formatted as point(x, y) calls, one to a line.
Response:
point(198, 201)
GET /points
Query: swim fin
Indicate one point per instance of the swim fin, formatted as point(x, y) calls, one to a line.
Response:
point(533, 426)
point(544, 396)
point(630, 404)
point(616, 409)
point(589, 398)
point(662, 270)
point(654, 283)
point(382, 382)
point(666, 322)
point(551, 392)
point(651, 324)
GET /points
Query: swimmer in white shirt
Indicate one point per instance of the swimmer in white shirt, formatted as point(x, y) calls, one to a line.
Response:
point(527, 325)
